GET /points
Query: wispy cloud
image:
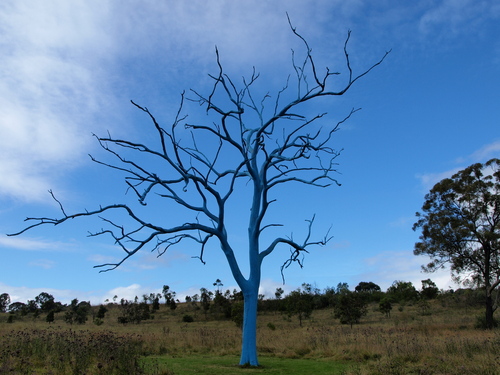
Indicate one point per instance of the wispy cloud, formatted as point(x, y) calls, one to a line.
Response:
point(33, 244)
point(428, 180)
point(42, 263)
point(484, 153)
point(50, 88)
point(453, 17)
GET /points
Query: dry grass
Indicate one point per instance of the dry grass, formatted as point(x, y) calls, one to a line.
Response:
point(443, 342)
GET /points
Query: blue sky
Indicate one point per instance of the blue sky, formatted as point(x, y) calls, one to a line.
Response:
point(69, 70)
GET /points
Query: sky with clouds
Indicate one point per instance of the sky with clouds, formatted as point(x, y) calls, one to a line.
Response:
point(70, 69)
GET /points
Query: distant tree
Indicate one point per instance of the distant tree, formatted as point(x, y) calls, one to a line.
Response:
point(342, 288)
point(328, 297)
point(385, 306)
point(300, 302)
point(50, 317)
point(45, 301)
point(173, 305)
point(101, 313)
point(279, 293)
point(237, 313)
point(402, 291)
point(32, 306)
point(350, 307)
point(205, 299)
point(460, 223)
point(4, 301)
point(77, 312)
point(429, 289)
point(367, 287)
point(18, 307)
point(156, 302)
point(218, 284)
point(221, 302)
point(370, 290)
point(169, 295)
point(133, 312)
point(258, 141)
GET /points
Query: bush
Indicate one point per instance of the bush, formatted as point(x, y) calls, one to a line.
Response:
point(481, 322)
point(187, 319)
point(98, 321)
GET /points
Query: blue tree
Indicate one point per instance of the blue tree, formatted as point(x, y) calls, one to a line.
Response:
point(262, 144)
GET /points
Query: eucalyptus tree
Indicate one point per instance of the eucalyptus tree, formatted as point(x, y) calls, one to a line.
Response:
point(250, 142)
point(460, 223)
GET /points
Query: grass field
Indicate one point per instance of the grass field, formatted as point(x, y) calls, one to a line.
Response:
point(438, 340)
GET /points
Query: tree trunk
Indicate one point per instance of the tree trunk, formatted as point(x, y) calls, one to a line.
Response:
point(489, 311)
point(249, 338)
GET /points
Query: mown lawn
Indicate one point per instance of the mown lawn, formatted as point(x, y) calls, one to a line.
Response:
point(227, 365)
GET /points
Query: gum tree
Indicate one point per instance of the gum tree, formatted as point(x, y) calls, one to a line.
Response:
point(252, 143)
point(460, 223)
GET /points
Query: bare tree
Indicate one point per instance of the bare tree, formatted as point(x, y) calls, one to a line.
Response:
point(258, 144)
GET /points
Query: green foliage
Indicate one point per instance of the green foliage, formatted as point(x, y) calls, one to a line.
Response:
point(221, 305)
point(300, 302)
point(101, 313)
point(350, 307)
point(460, 227)
point(4, 301)
point(402, 291)
point(77, 312)
point(385, 306)
point(237, 309)
point(367, 287)
point(205, 298)
point(279, 293)
point(45, 302)
point(18, 308)
point(481, 322)
point(50, 317)
point(429, 289)
point(370, 291)
point(133, 312)
point(187, 319)
point(169, 296)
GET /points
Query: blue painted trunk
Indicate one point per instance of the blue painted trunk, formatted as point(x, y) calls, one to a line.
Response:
point(249, 339)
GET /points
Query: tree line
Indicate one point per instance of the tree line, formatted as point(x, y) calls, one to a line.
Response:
point(349, 306)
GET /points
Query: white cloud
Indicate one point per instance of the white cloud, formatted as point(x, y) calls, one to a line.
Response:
point(33, 244)
point(23, 294)
point(453, 17)
point(268, 288)
point(389, 266)
point(428, 180)
point(50, 85)
point(485, 153)
point(42, 263)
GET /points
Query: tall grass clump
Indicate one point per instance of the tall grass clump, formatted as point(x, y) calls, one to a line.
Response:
point(30, 351)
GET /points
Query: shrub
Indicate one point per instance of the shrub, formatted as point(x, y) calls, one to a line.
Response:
point(187, 319)
point(481, 322)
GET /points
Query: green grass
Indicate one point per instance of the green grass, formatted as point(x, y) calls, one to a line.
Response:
point(227, 365)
